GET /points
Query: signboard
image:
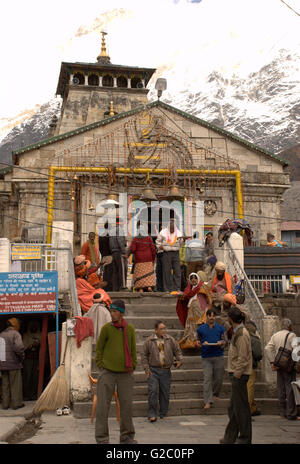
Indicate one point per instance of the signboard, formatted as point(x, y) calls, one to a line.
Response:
point(24, 252)
point(28, 292)
point(295, 279)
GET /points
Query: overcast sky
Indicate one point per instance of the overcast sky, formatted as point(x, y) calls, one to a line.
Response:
point(231, 36)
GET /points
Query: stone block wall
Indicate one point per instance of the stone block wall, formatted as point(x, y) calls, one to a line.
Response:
point(284, 305)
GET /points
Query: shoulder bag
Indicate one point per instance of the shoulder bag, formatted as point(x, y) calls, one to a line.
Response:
point(283, 359)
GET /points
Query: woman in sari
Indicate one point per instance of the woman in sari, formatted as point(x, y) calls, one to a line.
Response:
point(143, 249)
point(191, 309)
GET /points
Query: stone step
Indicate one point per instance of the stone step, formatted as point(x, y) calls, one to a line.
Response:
point(181, 376)
point(180, 407)
point(147, 298)
point(148, 322)
point(155, 311)
point(195, 390)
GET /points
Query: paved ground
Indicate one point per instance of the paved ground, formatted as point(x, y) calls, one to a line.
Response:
point(172, 430)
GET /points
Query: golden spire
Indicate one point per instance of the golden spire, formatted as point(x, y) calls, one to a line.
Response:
point(111, 110)
point(104, 56)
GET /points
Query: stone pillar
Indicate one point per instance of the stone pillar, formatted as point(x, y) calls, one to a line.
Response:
point(115, 82)
point(4, 255)
point(100, 81)
point(86, 79)
point(268, 326)
point(78, 363)
point(62, 237)
point(143, 82)
point(129, 83)
point(71, 79)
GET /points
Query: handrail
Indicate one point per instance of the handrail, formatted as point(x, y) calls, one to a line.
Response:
point(252, 302)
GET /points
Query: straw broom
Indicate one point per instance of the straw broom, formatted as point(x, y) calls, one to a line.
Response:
point(56, 394)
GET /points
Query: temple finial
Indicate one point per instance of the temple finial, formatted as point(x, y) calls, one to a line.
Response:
point(103, 57)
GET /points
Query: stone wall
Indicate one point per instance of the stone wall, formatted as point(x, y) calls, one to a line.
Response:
point(284, 305)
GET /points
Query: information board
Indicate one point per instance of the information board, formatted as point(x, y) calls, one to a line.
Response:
point(25, 252)
point(28, 292)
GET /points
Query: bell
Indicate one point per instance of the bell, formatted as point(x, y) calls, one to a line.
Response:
point(91, 207)
point(174, 193)
point(148, 194)
point(113, 196)
point(75, 177)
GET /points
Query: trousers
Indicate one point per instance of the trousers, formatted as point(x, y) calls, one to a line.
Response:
point(239, 427)
point(250, 390)
point(213, 371)
point(171, 262)
point(286, 397)
point(159, 384)
point(108, 381)
point(12, 394)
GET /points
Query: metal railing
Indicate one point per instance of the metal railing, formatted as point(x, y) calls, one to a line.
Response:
point(268, 283)
point(252, 303)
point(49, 260)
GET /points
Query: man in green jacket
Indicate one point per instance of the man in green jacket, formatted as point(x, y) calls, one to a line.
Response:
point(116, 358)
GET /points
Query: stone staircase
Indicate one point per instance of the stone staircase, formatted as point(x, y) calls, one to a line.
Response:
point(186, 396)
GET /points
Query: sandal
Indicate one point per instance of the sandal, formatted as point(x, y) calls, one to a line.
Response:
point(152, 419)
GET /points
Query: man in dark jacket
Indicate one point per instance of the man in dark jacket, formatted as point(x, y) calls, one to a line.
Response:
point(11, 357)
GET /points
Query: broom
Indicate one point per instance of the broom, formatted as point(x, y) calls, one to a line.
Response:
point(56, 394)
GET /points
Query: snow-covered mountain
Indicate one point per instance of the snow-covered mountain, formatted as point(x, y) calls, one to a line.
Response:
point(263, 108)
point(34, 126)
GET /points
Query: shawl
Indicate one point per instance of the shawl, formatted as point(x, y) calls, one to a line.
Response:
point(86, 292)
point(100, 315)
point(128, 359)
point(84, 328)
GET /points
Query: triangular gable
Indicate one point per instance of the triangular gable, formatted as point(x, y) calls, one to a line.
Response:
point(137, 110)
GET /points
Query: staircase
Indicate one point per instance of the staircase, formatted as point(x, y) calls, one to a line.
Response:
point(186, 397)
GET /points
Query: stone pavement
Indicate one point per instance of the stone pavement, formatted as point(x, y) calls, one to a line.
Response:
point(196, 429)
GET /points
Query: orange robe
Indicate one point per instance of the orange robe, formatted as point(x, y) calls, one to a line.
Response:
point(85, 293)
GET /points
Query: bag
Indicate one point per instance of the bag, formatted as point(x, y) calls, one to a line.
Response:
point(239, 292)
point(283, 359)
point(186, 344)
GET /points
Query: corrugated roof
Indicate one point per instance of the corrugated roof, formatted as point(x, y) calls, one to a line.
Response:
point(154, 104)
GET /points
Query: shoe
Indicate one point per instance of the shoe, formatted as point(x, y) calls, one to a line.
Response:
point(207, 406)
point(152, 419)
point(66, 411)
point(59, 412)
point(256, 413)
point(161, 416)
point(291, 417)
